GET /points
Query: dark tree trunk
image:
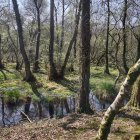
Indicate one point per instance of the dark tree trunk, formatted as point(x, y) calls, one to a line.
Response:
point(1, 64)
point(57, 29)
point(135, 137)
point(62, 32)
point(106, 71)
point(52, 69)
point(84, 106)
point(51, 109)
point(17, 65)
point(27, 105)
point(125, 37)
point(40, 109)
point(57, 34)
point(62, 108)
point(62, 71)
point(111, 112)
point(2, 110)
point(36, 64)
point(138, 48)
point(75, 42)
point(28, 74)
point(66, 106)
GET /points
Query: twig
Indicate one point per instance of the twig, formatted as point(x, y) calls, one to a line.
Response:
point(26, 116)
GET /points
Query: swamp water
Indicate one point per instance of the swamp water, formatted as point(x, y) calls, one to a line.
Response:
point(14, 114)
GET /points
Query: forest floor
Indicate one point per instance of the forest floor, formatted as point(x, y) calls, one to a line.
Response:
point(14, 88)
point(74, 127)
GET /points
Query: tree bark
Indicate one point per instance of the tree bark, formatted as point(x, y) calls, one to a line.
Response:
point(84, 106)
point(51, 109)
point(40, 111)
point(28, 74)
point(1, 64)
point(109, 116)
point(75, 42)
point(125, 37)
point(135, 95)
point(66, 105)
point(36, 64)
point(27, 105)
point(106, 71)
point(52, 69)
point(62, 32)
point(138, 48)
point(56, 24)
point(57, 34)
point(2, 110)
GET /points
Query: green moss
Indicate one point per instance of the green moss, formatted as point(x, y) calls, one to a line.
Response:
point(107, 87)
point(99, 83)
point(135, 95)
point(103, 85)
point(35, 99)
point(133, 74)
point(11, 96)
point(104, 129)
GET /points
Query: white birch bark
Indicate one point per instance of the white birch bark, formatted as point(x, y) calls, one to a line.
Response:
point(109, 116)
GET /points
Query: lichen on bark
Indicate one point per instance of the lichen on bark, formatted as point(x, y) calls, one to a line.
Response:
point(135, 95)
point(109, 116)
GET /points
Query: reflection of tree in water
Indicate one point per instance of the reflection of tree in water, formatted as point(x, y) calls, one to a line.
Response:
point(58, 107)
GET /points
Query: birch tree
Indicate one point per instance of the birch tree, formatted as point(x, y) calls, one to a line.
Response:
point(111, 112)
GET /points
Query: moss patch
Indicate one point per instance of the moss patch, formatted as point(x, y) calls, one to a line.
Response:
point(101, 84)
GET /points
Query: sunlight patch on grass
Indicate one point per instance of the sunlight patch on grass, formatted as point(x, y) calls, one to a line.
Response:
point(100, 84)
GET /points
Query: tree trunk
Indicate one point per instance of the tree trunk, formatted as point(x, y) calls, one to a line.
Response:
point(36, 64)
point(17, 65)
point(57, 34)
point(2, 110)
point(51, 109)
point(135, 96)
point(27, 105)
point(40, 109)
point(1, 65)
point(75, 42)
point(66, 105)
point(109, 116)
point(138, 48)
point(28, 74)
point(62, 71)
point(106, 71)
point(57, 29)
point(52, 69)
point(84, 106)
point(62, 32)
point(124, 38)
